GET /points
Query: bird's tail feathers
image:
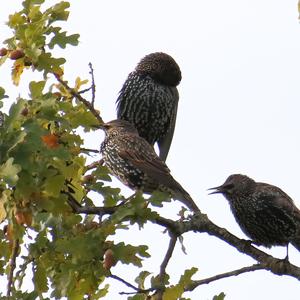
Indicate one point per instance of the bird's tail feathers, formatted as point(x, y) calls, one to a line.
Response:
point(187, 200)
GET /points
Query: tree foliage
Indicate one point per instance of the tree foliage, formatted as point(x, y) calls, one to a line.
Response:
point(42, 161)
point(49, 220)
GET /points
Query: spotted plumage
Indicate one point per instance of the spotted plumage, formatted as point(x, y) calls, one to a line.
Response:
point(264, 212)
point(134, 162)
point(149, 99)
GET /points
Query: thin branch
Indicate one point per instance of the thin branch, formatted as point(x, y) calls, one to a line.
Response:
point(237, 272)
point(200, 223)
point(93, 84)
point(101, 211)
point(88, 210)
point(94, 165)
point(164, 264)
point(136, 289)
point(89, 105)
point(89, 150)
point(173, 226)
point(125, 282)
point(12, 266)
point(85, 90)
point(167, 257)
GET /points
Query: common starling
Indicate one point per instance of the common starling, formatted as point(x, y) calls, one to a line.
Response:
point(149, 99)
point(134, 162)
point(264, 212)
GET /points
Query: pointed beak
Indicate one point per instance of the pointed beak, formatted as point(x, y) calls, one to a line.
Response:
point(216, 190)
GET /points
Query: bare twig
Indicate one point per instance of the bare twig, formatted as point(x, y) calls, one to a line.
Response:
point(85, 90)
point(164, 264)
point(94, 165)
point(136, 289)
point(89, 105)
point(167, 257)
point(12, 266)
point(125, 282)
point(90, 210)
point(89, 150)
point(237, 272)
point(93, 83)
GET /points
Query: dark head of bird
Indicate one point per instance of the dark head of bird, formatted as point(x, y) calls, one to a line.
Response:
point(235, 185)
point(117, 126)
point(161, 67)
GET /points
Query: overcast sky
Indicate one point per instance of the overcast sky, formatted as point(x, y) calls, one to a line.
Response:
point(238, 113)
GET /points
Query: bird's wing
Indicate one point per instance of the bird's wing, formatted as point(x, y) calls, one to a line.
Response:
point(123, 95)
point(165, 143)
point(145, 159)
point(277, 196)
point(280, 200)
point(283, 219)
point(150, 165)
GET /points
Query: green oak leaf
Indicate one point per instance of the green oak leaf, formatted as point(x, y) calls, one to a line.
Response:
point(9, 171)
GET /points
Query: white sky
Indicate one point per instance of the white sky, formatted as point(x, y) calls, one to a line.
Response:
point(239, 113)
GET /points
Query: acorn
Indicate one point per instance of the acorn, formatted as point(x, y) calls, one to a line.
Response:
point(57, 95)
point(109, 259)
point(88, 179)
point(16, 54)
point(24, 112)
point(23, 217)
point(3, 51)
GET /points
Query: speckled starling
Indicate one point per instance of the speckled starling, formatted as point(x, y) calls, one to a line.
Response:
point(134, 162)
point(149, 99)
point(264, 212)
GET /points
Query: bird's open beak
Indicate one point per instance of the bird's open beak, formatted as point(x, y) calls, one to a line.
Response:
point(217, 190)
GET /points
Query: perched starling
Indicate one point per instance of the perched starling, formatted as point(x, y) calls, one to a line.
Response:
point(134, 162)
point(264, 212)
point(149, 99)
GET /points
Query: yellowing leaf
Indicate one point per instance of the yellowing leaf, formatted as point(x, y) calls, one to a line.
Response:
point(17, 71)
point(3, 199)
point(9, 171)
point(28, 4)
point(34, 13)
point(58, 11)
point(185, 279)
point(40, 279)
point(54, 185)
point(79, 83)
point(173, 292)
point(51, 140)
point(36, 88)
point(16, 19)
